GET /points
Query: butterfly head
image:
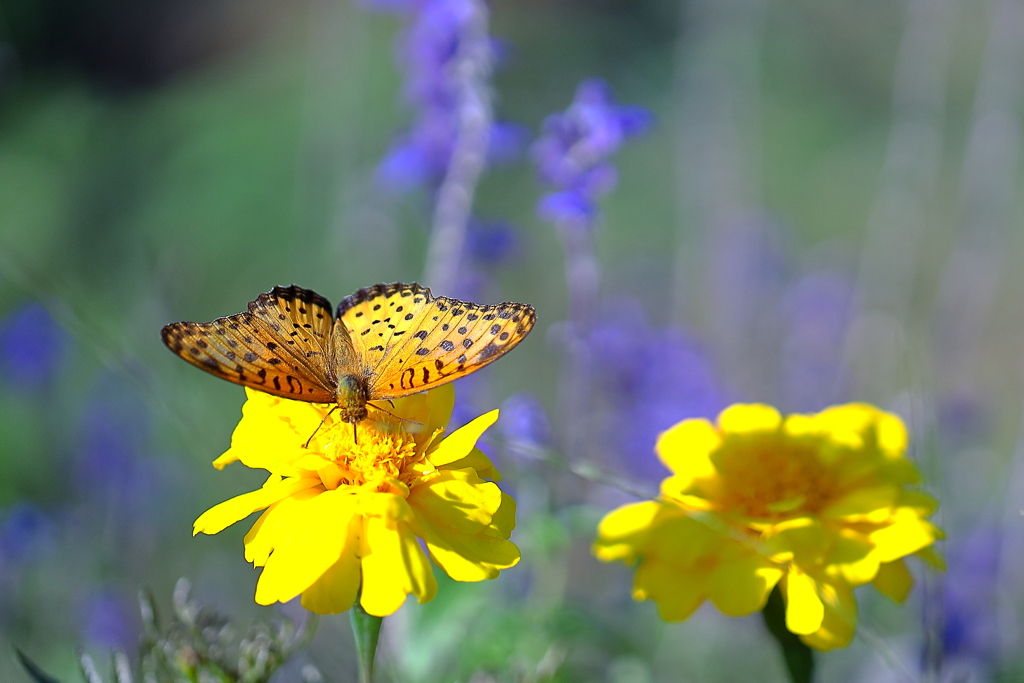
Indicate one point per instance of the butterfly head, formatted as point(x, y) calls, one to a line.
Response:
point(353, 393)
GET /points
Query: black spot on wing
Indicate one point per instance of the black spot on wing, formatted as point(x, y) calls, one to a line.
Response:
point(489, 351)
point(381, 290)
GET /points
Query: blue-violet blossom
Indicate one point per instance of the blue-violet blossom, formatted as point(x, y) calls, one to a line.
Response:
point(428, 53)
point(573, 150)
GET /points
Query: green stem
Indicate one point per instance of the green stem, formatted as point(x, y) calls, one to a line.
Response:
point(799, 658)
point(366, 630)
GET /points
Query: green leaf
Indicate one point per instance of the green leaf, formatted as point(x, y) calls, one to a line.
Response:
point(37, 674)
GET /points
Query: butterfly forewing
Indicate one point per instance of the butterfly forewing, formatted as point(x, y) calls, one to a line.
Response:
point(409, 341)
point(281, 345)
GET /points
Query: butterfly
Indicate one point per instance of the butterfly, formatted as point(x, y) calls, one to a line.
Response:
point(385, 342)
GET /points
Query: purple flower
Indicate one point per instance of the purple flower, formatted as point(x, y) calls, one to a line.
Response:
point(651, 378)
point(524, 421)
point(108, 621)
point(25, 529)
point(427, 55)
point(114, 427)
point(404, 168)
point(573, 150)
point(507, 142)
point(965, 417)
point(492, 242)
point(31, 344)
point(569, 208)
point(971, 626)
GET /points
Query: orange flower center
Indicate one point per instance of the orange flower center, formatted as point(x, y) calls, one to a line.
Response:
point(771, 477)
point(374, 455)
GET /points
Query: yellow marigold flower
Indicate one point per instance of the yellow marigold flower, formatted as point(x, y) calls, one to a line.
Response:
point(350, 510)
point(817, 504)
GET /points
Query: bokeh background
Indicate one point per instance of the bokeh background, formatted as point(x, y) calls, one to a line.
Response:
point(826, 207)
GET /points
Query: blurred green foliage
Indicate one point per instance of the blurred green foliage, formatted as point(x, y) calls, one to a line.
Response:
point(171, 160)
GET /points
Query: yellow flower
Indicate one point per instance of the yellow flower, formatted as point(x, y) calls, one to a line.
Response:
point(357, 507)
point(817, 504)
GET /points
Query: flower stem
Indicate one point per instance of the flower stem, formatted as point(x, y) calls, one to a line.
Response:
point(471, 70)
point(799, 658)
point(366, 631)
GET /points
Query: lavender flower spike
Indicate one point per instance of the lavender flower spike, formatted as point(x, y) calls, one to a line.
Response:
point(573, 150)
point(470, 73)
point(572, 159)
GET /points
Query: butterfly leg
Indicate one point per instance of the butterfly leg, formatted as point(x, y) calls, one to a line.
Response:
point(306, 445)
point(392, 414)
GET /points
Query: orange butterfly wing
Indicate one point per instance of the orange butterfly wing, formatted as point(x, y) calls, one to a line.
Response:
point(281, 345)
point(408, 340)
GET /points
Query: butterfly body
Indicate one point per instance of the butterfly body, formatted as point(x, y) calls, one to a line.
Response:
point(386, 341)
point(352, 396)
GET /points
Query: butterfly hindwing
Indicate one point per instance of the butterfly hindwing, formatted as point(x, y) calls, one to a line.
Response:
point(281, 345)
point(409, 341)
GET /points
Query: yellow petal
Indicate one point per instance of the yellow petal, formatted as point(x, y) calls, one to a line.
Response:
point(860, 424)
point(258, 543)
point(271, 429)
point(741, 582)
point(389, 507)
point(681, 540)
point(460, 443)
point(932, 558)
point(894, 580)
point(314, 541)
point(907, 534)
point(872, 504)
point(310, 461)
point(805, 539)
point(891, 434)
point(465, 557)
point(852, 555)
point(677, 592)
point(458, 499)
point(918, 501)
point(623, 532)
point(804, 609)
point(336, 590)
point(229, 456)
point(686, 449)
point(431, 409)
point(479, 461)
point(274, 524)
point(260, 539)
point(840, 620)
point(504, 519)
point(797, 425)
point(331, 475)
point(750, 417)
point(221, 516)
point(393, 567)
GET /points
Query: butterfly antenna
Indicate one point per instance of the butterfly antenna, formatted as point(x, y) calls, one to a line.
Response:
point(397, 417)
point(306, 445)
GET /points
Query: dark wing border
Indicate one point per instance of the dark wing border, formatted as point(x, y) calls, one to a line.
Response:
point(384, 289)
point(291, 293)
